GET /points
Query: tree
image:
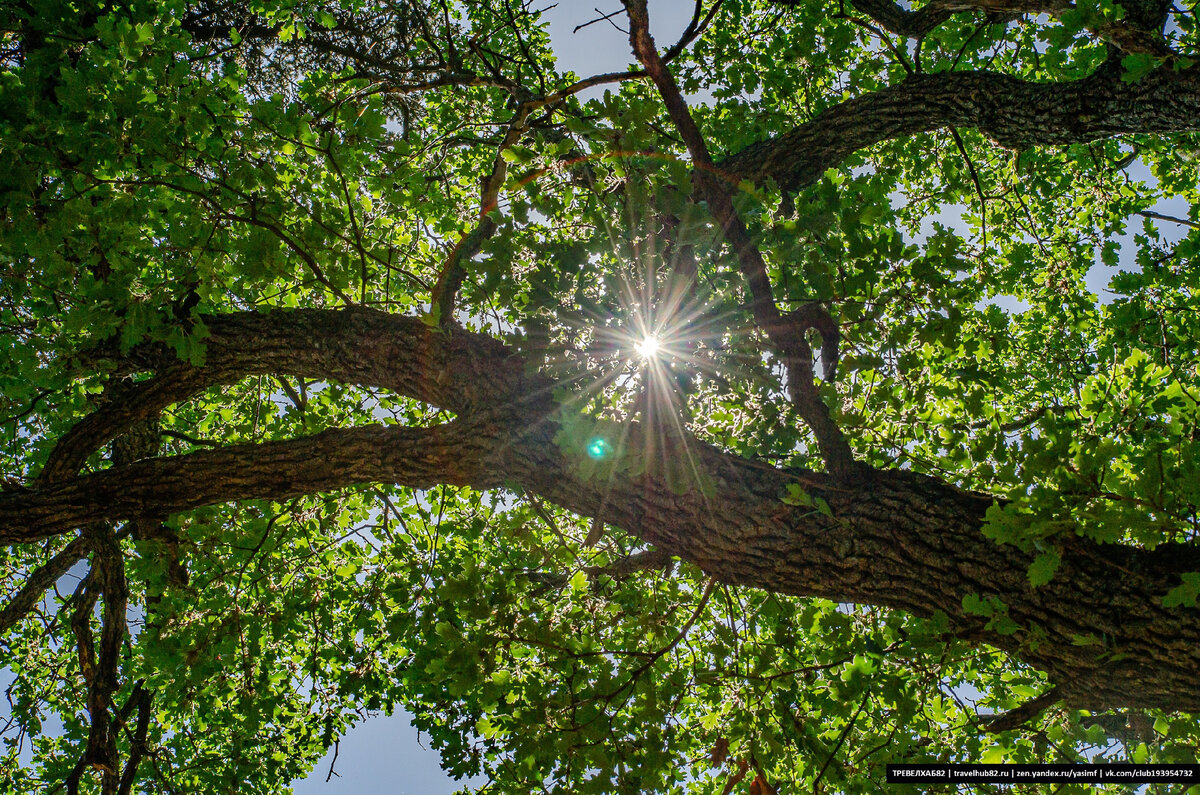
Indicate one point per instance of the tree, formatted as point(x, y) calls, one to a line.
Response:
point(667, 440)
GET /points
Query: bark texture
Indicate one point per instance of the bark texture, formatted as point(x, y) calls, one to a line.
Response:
point(895, 538)
point(1014, 113)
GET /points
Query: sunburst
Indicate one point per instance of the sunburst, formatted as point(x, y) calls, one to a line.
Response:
point(647, 348)
point(644, 360)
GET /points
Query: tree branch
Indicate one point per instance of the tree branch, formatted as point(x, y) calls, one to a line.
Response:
point(919, 23)
point(731, 522)
point(138, 745)
point(1014, 113)
point(1171, 218)
point(451, 369)
point(42, 578)
point(1014, 718)
point(456, 453)
point(454, 271)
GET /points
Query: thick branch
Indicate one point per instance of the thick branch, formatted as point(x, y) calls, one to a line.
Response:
point(912, 543)
point(1013, 719)
point(44, 576)
point(894, 539)
point(418, 457)
point(85, 597)
point(450, 369)
point(1012, 112)
point(138, 746)
point(108, 568)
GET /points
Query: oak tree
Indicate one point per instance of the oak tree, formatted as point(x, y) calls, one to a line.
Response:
point(819, 392)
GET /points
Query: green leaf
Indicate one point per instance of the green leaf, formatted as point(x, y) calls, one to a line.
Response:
point(1137, 65)
point(1184, 594)
point(1041, 571)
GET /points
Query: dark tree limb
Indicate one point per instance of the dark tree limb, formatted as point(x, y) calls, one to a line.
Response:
point(143, 700)
point(85, 646)
point(153, 488)
point(897, 539)
point(450, 369)
point(41, 580)
point(1014, 113)
point(99, 666)
point(637, 562)
point(109, 567)
point(1170, 218)
point(620, 569)
point(841, 739)
point(1014, 718)
point(454, 271)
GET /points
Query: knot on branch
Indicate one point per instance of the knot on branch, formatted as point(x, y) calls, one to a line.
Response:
point(794, 326)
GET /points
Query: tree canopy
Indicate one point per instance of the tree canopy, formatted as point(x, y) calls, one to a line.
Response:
point(820, 392)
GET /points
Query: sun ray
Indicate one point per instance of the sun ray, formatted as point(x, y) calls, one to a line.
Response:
point(643, 342)
point(647, 348)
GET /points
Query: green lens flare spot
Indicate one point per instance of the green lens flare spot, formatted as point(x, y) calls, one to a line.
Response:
point(599, 448)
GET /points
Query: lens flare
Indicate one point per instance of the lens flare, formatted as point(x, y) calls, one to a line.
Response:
point(647, 348)
point(598, 448)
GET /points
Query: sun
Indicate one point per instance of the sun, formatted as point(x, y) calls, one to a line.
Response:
point(648, 347)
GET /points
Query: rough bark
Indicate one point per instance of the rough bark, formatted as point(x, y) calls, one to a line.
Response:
point(353, 346)
point(896, 539)
point(1014, 113)
point(41, 580)
point(156, 487)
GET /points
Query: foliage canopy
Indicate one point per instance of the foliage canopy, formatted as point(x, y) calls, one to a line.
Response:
point(819, 393)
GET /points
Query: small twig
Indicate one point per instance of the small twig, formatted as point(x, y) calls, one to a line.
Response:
point(1172, 219)
point(879, 34)
point(602, 18)
point(846, 731)
point(963, 49)
point(639, 561)
point(38, 398)
point(679, 636)
point(1020, 423)
point(183, 437)
point(336, 747)
point(299, 402)
point(540, 510)
point(974, 178)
